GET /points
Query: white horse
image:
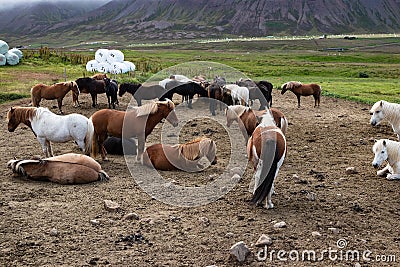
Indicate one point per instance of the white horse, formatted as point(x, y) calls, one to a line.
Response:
point(49, 127)
point(388, 150)
point(239, 93)
point(386, 110)
point(266, 149)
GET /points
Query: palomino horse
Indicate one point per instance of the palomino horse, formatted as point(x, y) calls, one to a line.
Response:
point(249, 119)
point(138, 122)
point(185, 157)
point(50, 92)
point(300, 89)
point(387, 150)
point(49, 127)
point(266, 149)
point(141, 92)
point(386, 110)
point(90, 86)
point(69, 168)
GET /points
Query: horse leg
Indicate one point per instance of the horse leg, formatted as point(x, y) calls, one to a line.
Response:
point(190, 101)
point(212, 106)
point(50, 149)
point(269, 204)
point(298, 101)
point(140, 147)
point(59, 101)
point(101, 139)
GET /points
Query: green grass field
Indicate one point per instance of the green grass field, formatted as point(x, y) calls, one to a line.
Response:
point(365, 69)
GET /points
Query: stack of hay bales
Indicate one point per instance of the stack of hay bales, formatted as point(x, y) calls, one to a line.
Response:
point(9, 56)
point(109, 61)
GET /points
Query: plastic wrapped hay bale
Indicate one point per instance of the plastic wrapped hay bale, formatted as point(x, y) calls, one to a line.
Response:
point(130, 65)
point(12, 59)
point(2, 60)
point(103, 67)
point(115, 56)
point(118, 68)
point(101, 55)
point(92, 65)
point(17, 52)
point(3, 47)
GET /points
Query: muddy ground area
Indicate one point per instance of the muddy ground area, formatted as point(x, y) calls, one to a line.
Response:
point(47, 224)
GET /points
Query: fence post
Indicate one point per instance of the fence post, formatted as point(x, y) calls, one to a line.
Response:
point(65, 74)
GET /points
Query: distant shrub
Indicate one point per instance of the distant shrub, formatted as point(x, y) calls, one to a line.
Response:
point(363, 75)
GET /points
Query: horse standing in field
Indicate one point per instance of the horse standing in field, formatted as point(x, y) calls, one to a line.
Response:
point(64, 169)
point(266, 150)
point(240, 94)
point(111, 88)
point(300, 89)
point(186, 89)
point(49, 127)
point(138, 122)
point(89, 86)
point(51, 92)
point(185, 157)
point(385, 110)
point(261, 90)
point(141, 92)
point(387, 150)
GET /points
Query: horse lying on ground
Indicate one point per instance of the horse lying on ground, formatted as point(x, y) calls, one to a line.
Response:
point(387, 150)
point(300, 89)
point(266, 150)
point(141, 92)
point(138, 122)
point(249, 119)
point(51, 92)
point(90, 86)
point(185, 157)
point(64, 169)
point(386, 110)
point(117, 146)
point(49, 127)
point(111, 88)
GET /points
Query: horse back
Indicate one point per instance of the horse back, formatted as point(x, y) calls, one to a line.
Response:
point(108, 121)
point(154, 156)
point(262, 134)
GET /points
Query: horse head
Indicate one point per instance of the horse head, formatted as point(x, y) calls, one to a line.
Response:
point(284, 88)
point(377, 113)
point(167, 109)
point(381, 153)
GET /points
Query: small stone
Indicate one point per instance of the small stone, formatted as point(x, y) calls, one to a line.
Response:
point(174, 218)
point(263, 240)
point(236, 178)
point(111, 206)
point(53, 232)
point(131, 216)
point(311, 196)
point(237, 170)
point(316, 234)
point(204, 220)
point(229, 235)
point(240, 251)
point(95, 222)
point(357, 264)
point(147, 220)
point(333, 230)
point(281, 224)
point(351, 170)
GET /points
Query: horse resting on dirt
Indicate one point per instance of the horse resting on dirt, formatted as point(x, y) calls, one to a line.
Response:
point(69, 168)
point(49, 127)
point(185, 157)
point(387, 150)
point(50, 92)
point(138, 122)
point(300, 89)
point(90, 86)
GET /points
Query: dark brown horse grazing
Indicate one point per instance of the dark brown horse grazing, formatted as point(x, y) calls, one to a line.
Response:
point(249, 119)
point(266, 150)
point(138, 122)
point(64, 169)
point(185, 157)
point(300, 89)
point(90, 86)
point(50, 92)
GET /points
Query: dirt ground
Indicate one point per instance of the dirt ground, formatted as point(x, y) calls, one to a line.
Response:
point(46, 224)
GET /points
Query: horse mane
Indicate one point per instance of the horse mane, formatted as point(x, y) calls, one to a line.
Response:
point(292, 84)
point(152, 107)
point(191, 149)
point(239, 109)
point(22, 113)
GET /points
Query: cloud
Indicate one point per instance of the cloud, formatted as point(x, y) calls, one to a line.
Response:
point(7, 4)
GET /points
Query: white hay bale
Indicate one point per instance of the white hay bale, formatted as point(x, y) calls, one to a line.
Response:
point(115, 56)
point(92, 65)
point(103, 67)
point(118, 67)
point(12, 59)
point(101, 55)
point(130, 66)
point(3, 47)
point(17, 52)
point(2, 60)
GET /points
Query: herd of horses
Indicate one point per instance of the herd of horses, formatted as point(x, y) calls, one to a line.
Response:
point(111, 130)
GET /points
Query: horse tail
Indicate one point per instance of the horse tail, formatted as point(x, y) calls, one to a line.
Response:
point(266, 171)
point(89, 136)
point(103, 176)
point(284, 124)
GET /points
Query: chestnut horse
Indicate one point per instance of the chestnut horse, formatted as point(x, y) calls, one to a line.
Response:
point(51, 92)
point(266, 149)
point(99, 76)
point(249, 118)
point(138, 122)
point(185, 157)
point(69, 168)
point(300, 89)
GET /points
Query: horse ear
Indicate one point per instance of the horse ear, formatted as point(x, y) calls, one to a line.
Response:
point(384, 142)
point(381, 103)
point(375, 140)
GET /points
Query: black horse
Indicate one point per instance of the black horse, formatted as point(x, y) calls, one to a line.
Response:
point(261, 90)
point(111, 92)
point(184, 89)
point(90, 86)
point(119, 146)
point(141, 92)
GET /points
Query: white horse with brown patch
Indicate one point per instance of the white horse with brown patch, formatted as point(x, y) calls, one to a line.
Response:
point(385, 110)
point(387, 150)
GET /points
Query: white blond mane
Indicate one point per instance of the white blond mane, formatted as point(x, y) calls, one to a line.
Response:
point(267, 119)
point(291, 84)
point(151, 108)
point(238, 109)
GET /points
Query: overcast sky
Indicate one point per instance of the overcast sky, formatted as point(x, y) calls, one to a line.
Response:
point(4, 4)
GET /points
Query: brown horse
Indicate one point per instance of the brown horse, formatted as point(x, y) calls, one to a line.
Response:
point(249, 118)
point(138, 122)
point(64, 169)
point(50, 92)
point(300, 89)
point(185, 157)
point(99, 76)
point(266, 150)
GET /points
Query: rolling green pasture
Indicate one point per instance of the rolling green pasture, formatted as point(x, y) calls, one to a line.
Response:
point(363, 70)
